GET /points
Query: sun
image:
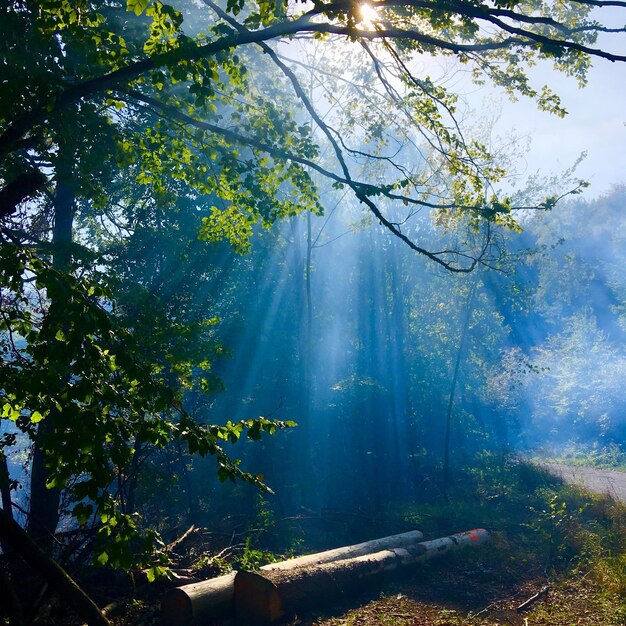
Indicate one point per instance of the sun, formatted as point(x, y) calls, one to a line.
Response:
point(369, 17)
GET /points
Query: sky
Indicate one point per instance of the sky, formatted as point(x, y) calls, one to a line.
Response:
point(595, 123)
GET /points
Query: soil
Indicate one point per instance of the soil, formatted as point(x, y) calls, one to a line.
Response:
point(453, 595)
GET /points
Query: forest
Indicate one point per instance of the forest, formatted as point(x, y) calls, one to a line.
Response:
point(273, 281)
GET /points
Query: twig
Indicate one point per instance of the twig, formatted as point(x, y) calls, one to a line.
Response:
point(527, 603)
point(227, 550)
point(192, 529)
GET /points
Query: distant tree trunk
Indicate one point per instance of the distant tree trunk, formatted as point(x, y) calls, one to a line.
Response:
point(469, 309)
point(308, 328)
point(403, 433)
point(306, 352)
point(133, 477)
point(44, 502)
point(5, 486)
point(368, 433)
point(303, 303)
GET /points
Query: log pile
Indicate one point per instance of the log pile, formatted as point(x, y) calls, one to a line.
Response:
point(213, 599)
point(283, 588)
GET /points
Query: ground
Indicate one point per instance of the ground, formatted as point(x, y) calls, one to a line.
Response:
point(454, 592)
point(567, 603)
point(544, 533)
point(476, 594)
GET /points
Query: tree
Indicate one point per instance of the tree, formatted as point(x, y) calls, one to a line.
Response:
point(107, 108)
point(92, 58)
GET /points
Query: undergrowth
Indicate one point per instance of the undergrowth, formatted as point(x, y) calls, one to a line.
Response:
point(541, 526)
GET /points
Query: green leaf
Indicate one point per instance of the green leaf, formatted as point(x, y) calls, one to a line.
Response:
point(137, 6)
point(36, 417)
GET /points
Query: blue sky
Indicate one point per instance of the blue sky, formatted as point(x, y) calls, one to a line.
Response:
point(596, 120)
point(595, 123)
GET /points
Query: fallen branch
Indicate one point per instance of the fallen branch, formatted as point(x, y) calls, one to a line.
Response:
point(51, 572)
point(191, 530)
point(527, 603)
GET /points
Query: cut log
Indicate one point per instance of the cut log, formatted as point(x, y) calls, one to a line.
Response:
point(213, 599)
point(266, 596)
point(413, 537)
point(203, 601)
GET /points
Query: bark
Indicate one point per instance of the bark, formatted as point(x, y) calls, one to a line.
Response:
point(265, 597)
point(56, 577)
point(212, 599)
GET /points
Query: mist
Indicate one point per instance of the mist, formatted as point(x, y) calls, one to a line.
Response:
point(277, 277)
point(335, 324)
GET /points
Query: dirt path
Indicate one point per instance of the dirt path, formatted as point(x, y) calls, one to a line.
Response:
point(599, 480)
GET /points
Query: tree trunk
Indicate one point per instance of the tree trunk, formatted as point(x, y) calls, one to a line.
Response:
point(212, 599)
point(267, 596)
point(51, 572)
point(5, 495)
point(44, 502)
point(5, 486)
point(455, 375)
point(404, 432)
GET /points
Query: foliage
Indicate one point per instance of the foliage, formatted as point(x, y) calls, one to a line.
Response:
point(611, 456)
point(253, 558)
point(84, 370)
point(545, 525)
point(563, 380)
point(120, 120)
point(214, 125)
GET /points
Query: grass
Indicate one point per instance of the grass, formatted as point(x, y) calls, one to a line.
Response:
point(543, 531)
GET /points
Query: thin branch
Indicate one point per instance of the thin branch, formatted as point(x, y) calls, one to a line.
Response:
point(303, 25)
point(357, 189)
